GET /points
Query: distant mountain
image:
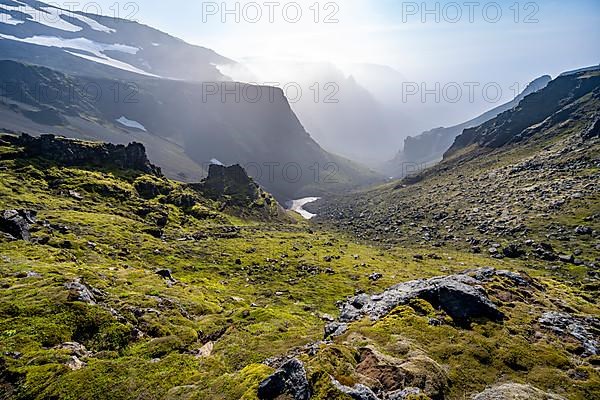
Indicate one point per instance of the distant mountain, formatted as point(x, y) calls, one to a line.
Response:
point(341, 110)
point(523, 183)
point(107, 79)
point(79, 43)
point(430, 146)
point(553, 106)
point(183, 129)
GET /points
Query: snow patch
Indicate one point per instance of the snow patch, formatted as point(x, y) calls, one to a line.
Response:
point(131, 123)
point(96, 50)
point(214, 161)
point(297, 206)
point(92, 23)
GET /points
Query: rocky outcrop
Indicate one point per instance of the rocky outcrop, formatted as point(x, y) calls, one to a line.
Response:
point(231, 181)
point(16, 223)
point(460, 296)
point(71, 152)
point(79, 291)
point(391, 378)
point(335, 329)
point(238, 193)
point(586, 330)
point(290, 379)
point(514, 391)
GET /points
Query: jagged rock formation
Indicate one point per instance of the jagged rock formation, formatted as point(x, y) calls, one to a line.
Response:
point(231, 181)
point(69, 152)
point(289, 379)
point(236, 191)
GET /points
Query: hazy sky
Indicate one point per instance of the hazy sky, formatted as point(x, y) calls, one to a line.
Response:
point(542, 37)
point(507, 42)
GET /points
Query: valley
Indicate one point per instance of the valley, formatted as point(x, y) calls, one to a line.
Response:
point(119, 282)
point(170, 229)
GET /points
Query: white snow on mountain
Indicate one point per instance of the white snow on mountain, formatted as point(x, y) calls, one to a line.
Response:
point(131, 123)
point(82, 44)
point(50, 16)
point(94, 51)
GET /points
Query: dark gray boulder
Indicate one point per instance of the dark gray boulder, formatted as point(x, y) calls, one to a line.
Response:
point(289, 379)
point(460, 296)
point(513, 251)
point(166, 274)
point(17, 223)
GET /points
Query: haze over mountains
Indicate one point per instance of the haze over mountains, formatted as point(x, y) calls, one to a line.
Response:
point(114, 70)
point(335, 104)
point(430, 146)
point(145, 252)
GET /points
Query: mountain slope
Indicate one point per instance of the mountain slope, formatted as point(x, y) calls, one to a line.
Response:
point(521, 185)
point(568, 98)
point(183, 125)
point(430, 146)
point(78, 43)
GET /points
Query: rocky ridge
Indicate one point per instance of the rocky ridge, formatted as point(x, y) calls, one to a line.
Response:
point(70, 152)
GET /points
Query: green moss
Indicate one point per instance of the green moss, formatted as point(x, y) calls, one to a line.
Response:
point(254, 289)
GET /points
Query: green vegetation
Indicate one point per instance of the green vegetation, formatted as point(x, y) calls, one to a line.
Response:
point(244, 289)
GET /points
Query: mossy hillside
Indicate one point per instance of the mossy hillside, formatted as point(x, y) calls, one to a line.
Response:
point(256, 290)
point(543, 189)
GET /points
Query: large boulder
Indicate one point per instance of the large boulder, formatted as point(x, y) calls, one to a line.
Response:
point(460, 296)
point(17, 223)
point(290, 379)
point(514, 391)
